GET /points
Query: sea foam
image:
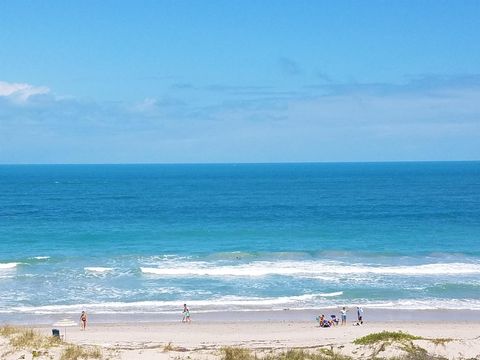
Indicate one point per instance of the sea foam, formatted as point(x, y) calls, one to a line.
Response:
point(215, 304)
point(232, 303)
point(98, 269)
point(5, 266)
point(307, 269)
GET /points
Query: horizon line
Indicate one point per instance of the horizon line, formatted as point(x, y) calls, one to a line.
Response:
point(239, 163)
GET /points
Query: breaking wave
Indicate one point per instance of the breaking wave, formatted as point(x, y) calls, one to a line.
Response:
point(307, 269)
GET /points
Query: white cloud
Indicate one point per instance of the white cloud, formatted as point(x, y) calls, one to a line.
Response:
point(148, 105)
point(20, 92)
point(430, 120)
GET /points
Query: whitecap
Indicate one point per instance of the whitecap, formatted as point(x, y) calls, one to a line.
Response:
point(6, 266)
point(229, 303)
point(223, 303)
point(332, 294)
point(98, 269)
point(309, 269)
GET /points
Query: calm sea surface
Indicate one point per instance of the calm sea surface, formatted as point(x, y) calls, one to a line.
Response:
point(146, 238)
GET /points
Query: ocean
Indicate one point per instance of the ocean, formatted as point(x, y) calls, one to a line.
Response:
point(144, 239)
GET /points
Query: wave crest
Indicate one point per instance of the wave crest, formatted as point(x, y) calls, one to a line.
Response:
point(98, 269)
point(307, 269)
point(232, 303)
point(5, 266)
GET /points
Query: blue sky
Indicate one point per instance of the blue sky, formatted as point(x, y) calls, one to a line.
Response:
point(239, 81)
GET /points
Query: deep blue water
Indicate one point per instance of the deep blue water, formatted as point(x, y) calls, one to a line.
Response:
point(146, 238)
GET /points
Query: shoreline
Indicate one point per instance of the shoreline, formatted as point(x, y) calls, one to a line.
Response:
point(371, 315)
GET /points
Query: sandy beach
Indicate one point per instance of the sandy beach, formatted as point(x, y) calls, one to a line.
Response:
point(204, 340)
point(258, 335)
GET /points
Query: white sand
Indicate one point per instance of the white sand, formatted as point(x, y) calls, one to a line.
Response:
point(203, 340)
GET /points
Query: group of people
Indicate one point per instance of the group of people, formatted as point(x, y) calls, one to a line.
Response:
point(334, 321)
point(322, 320)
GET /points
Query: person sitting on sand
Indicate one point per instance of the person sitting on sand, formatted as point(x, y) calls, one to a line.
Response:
point(320, 320)
point(186, 314)
point(83, 320)
point(323, 322)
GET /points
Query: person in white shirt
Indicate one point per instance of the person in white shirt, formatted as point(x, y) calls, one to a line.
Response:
point(343, 314)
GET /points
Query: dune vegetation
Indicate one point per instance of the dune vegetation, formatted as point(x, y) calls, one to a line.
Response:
point(38, 345)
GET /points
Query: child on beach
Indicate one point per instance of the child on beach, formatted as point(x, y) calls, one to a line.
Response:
point(186, 314)
point(83, 320)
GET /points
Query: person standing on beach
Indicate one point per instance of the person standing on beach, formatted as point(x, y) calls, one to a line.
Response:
point(83, 320)
point(343, 314)
point(360, 315)
point(186, 314)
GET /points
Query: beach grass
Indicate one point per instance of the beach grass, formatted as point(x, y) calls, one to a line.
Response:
point(300, 354)
point(28, 339)
point(168, 347)
point(440, 341)
point(75, 352)
point(236, 353)
point(21, 338)
point(403, 341)
point(386, 336)
point(8, 330)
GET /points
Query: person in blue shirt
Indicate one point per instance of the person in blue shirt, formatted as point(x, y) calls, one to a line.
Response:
point(360, 315)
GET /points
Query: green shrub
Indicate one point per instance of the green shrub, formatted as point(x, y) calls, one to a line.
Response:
point(391, 336)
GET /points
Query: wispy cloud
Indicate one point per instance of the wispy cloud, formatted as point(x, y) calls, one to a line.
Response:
point(418, 119)
point(21, 92)
point(289, 66)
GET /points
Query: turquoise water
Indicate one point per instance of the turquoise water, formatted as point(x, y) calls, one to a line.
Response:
point(147, 238)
